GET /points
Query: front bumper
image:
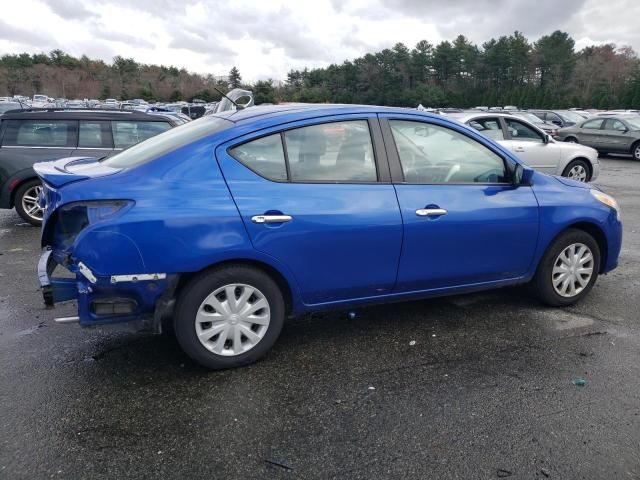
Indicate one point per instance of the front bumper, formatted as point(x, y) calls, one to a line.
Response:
point(141, 298)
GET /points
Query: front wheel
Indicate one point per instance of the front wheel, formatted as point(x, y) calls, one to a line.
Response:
point(568, 270)
point(635, 151)
point(577, 170)
point(229, 317)
point(26, 201)
point(571, 140)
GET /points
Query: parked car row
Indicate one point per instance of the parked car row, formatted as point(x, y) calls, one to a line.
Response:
point(310, 207)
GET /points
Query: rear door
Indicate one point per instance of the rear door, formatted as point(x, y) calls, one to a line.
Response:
point(464, 221)
point(529, 145)
point(317, 197)
point(590, 134)
point(94, 139)
point(29, 141)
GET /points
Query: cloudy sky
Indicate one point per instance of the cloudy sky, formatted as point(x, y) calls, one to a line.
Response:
point(266, 38)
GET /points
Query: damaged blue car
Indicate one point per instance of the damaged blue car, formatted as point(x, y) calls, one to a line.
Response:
point(231, 223)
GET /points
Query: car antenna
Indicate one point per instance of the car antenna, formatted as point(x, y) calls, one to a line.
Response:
point(239, 107)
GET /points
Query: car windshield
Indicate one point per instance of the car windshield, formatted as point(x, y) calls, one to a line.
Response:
point(166, 142)
point(634, 122)
point(571, 116)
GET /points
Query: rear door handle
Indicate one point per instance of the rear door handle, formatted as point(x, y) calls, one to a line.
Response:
point(271, 218)
point(431, 212)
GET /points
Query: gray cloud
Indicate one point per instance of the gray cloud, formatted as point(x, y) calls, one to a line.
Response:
point(70, 9)
point(31, 37)
point(103, 32)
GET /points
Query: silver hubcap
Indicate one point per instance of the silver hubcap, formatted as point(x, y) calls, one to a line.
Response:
point(578, 172)
point(636, 152)
point(233, 319)
point(30, 202)
point(572, 270)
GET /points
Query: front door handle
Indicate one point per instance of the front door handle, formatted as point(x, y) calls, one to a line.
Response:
point(431, 212)
point(519, 149)
point(271, 218)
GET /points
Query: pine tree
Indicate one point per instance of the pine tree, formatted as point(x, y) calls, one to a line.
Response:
point(234, 77)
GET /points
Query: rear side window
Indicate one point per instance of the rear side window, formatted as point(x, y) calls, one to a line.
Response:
point(331, 152)
point(489, 127)
point(265, 156)
point(328, 152)
point(593, 124)
point(613, 124)
point(126, 134)
point(40, 133)
point(94, 134)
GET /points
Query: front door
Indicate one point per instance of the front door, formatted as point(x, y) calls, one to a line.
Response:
point(464, 222)
point(615, 136)
point(317, 197)
point(530, 146)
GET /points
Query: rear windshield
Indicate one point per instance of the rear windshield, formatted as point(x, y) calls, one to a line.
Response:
point(167, 142)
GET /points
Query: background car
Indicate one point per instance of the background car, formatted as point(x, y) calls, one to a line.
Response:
point(231, 223)
point(561, 118)
point(35, 136)
point(617, 134)
point(547, 127)
point(535, 147)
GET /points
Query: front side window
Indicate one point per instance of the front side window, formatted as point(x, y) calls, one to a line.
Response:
point(331, 152)
point(489, 127)
point(265, 156)
point(613, 124)
point(593, 124)
point(520, 131)
point(94, 134)
point(126, 134)
point(40, 133)
point(430, 154)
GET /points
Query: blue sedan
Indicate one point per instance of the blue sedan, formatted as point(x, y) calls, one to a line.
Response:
point(231, 223)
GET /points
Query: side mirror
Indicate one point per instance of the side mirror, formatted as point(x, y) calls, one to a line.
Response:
point(522, 175)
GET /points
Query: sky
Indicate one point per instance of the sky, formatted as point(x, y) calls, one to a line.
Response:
point(267, 38)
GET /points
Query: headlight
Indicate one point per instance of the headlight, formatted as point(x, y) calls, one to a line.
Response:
point(608, 200)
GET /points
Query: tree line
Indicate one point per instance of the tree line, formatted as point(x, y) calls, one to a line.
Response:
point(509, 70)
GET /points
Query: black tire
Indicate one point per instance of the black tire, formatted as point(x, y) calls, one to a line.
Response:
point(635, 151)
point(542, 283)
point(571, 140)
point(20, 193)
point(199, 288)
point(578, 163)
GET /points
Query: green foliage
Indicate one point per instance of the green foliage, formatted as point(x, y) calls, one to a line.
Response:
point(235, 80)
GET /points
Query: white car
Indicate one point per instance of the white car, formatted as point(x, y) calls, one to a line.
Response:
point(534, 147)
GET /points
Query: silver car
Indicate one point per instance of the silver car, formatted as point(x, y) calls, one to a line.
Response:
point(535, 147)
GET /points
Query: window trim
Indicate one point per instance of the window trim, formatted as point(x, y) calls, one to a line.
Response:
point(379, 153)
point(397, 173)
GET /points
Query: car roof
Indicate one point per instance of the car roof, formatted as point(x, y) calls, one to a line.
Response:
point(277, 111)
point(54, 114)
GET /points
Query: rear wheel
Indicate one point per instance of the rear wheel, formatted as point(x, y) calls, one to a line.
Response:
point(26, 202)
point(568, 270)
point(229, 317)
point(577, 170)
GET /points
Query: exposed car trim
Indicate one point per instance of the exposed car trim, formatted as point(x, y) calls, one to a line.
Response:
point(136, 277)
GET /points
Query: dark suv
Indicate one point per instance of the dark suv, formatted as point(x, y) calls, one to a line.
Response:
point(41, 135)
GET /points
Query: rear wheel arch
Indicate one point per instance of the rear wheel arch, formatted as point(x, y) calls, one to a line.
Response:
point(272, 272)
